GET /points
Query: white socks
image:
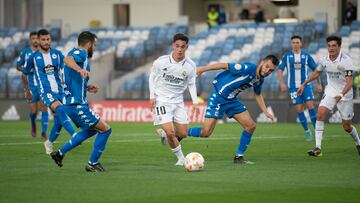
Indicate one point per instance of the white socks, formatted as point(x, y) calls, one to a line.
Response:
point(178, 152)
point(354, 135)
point(319, 130)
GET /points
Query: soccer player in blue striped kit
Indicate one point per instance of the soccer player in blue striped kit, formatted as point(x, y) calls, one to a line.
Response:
point(32, 93)
point(76, 77)
point(47, 64)
point(228, 84)
point(297, 63)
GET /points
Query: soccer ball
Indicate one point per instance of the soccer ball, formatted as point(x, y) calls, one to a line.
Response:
point(194, 162)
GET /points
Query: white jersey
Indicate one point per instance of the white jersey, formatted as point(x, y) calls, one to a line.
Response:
point(169, 79)
point(336, 72)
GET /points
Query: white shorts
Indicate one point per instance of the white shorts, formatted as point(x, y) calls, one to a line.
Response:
point(346, 108)
point(167, 112)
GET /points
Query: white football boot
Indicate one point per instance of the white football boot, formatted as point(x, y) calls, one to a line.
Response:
point(48, 147)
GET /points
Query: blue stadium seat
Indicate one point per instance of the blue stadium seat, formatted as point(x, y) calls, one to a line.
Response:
point(345, 30)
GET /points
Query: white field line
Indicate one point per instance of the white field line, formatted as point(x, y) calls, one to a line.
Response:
point(157, 140)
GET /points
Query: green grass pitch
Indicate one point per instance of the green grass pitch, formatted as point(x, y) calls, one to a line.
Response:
point(140, 169)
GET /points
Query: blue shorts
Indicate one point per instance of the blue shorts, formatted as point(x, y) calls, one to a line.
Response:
point(35, 95)
point(50, 97)
point(217, 106)
point(307, 95)
point(82, 116)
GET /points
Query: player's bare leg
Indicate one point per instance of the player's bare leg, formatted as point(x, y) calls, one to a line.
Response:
point(206, 130)
point(353, 133)
point(181, 131)
point(208, 127)
point(173, 142)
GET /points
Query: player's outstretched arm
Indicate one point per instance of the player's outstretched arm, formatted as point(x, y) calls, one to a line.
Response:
point(216, 66)
point(315, 74)
point(281, 80)
point(261, 103)
point(347, 87)
point(70, 62)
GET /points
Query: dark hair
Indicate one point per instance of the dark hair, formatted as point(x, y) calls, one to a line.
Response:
point(181, 36)
point(85, 37)
point(296, 37)
point(33, 33)
point(334, 38)
point(273, 59)
point(43, 32)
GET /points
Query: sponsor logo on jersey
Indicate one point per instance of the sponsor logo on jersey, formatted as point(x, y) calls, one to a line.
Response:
point(49, 69)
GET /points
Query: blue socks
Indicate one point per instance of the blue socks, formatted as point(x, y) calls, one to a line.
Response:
point(313, 114)
point(194, 132)
point(32, 118)
point(55, 130)
point(99, 146)
point(245, 140)
point(44, 121)
point(64, 119)
point(76, 140)
point(303, 121)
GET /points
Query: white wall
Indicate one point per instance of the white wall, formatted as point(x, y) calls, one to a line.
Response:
point(308, 8)
point(358, 9)
point(77, 14)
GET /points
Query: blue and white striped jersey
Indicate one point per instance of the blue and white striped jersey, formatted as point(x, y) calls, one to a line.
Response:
point(75, 85)
point(48, 70)
point(238, 78)
point(22, 62)
point(297, 67)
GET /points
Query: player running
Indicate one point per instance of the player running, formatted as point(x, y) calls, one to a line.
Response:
point(76, 77)
point(169, 78)
point(223, 100)
point(297, 63)
point(46, 63)
point(31, 88)
point(338, 92)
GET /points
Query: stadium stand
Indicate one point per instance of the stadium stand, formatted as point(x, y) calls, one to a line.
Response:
point(135, 47)
point(235, 43)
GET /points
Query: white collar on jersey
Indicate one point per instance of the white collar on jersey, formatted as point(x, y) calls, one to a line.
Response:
point(338, 59)
point(172, 60)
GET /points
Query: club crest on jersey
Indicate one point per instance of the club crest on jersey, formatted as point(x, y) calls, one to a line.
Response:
point(77, 52)
point(303, 56)
point(54, 56)
point(184, 73)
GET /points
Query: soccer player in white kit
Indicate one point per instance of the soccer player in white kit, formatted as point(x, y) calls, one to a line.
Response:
point(338, 92)
point(169, 78)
